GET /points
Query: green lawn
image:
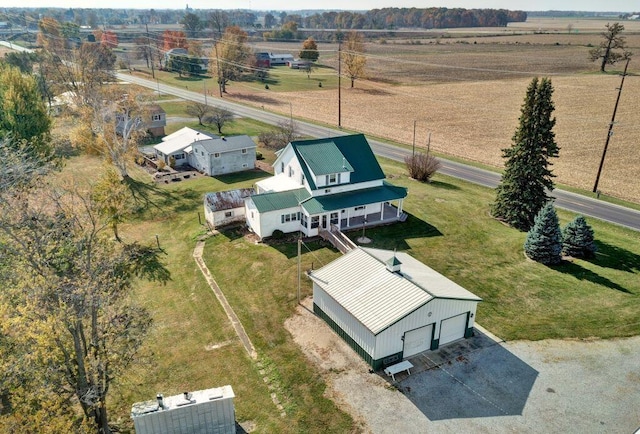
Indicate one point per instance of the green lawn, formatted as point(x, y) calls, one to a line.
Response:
point(449, 229)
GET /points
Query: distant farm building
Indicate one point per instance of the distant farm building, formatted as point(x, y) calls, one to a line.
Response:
point(280, 59)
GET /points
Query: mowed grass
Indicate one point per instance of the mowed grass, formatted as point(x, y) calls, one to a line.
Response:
point(192, 345)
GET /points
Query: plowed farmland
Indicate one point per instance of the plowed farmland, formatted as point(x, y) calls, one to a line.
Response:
point(467, 92)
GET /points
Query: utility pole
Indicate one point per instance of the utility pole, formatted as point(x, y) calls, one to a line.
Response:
point(153, 73)
point(299, 264)
point(413, 152)
point(339, 85)
point(610, 133)
point(215, 45)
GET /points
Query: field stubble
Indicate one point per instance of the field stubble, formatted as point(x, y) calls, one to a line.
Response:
point(469, 98)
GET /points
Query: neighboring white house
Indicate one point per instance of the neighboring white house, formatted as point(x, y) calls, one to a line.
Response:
point(323, 182)
point(280, 59)
point(178, 145)
point(222, 155)
point(209, 411)
point(389, 306)
point(224, 207)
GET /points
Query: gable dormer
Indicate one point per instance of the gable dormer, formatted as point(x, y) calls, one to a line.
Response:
point(326, 164)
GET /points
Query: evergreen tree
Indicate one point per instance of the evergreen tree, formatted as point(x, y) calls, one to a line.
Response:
point(527, 176)
point(544, 240)
point(577, 239)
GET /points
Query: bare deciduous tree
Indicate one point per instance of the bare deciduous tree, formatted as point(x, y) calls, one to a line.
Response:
point(613, 47)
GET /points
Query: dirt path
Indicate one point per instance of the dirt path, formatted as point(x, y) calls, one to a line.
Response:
point(233, 318)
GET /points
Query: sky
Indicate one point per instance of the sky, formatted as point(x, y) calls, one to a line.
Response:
point(279, 5)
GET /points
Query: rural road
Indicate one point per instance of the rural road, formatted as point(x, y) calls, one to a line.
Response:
point(570, 201)
point(577, 203)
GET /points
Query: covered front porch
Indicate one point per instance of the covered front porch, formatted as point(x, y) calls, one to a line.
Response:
point(388, 214)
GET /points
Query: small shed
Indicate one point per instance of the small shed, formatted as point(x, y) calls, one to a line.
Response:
point(209, 411)
point(224, 207)
point(389, 306)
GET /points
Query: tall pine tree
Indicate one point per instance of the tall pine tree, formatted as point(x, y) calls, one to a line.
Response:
point(527, 176)
point(544, 240)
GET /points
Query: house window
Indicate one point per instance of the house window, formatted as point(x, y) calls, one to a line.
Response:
point(157, 117)
point(358, 208)
point(303, 220)
point(252, 214)
point(282, 167)
point(331, 178)
point(295, 216)
point(216, 155)
point(315, 221)
point(202, 153)
point(179, 156)
point(334, 218)
point(302, 179)
point(244, 151)
point(290, 172)
point(228, 214)
point(245, 165)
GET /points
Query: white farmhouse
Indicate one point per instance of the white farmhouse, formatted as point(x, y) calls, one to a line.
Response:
point(322, 183)
point(389, 306)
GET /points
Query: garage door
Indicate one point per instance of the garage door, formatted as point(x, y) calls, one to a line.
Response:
point(417, 341)
point(453, 328)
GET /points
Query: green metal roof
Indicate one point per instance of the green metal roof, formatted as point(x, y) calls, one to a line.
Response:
point(354, 148)
point(324, 158)
point(333, 202)
point(279, 200)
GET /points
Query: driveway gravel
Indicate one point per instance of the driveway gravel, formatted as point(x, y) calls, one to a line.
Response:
point(546, 386)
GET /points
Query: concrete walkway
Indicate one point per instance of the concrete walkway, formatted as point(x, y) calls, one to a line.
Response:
point(235, 322)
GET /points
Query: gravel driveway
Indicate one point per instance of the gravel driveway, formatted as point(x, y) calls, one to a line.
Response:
point(525, 387)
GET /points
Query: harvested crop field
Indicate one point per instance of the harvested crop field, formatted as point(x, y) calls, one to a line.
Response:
point(468, 96)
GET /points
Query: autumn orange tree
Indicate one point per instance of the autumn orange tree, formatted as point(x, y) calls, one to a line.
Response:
point(353, 57)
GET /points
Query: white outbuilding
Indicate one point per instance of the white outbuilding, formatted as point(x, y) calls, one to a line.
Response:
point(389, 306)
point(209, 411)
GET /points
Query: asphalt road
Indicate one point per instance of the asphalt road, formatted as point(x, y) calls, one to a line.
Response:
point(570, 201)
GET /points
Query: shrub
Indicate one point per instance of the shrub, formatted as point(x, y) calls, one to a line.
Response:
point(544, 239)
point(259, 156)
point(277, 234)
point(172, 161)
point(577, 239)
point(422, 166)
point(161, 165)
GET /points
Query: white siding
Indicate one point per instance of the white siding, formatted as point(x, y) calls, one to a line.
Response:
point(359, 333)
point(390, 342)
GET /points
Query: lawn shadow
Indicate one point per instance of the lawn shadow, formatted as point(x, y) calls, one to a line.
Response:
point(443, 185)
point(289, 246)
point(615, 257)
point(232, 232)
point(259, 99)
point(246, 175)
point(481, 379)
point(147, 195)
point(395, 235)
point(582, 273)
point(191, 78)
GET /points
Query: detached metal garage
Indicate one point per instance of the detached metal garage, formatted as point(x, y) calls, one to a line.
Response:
point(388, 306)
